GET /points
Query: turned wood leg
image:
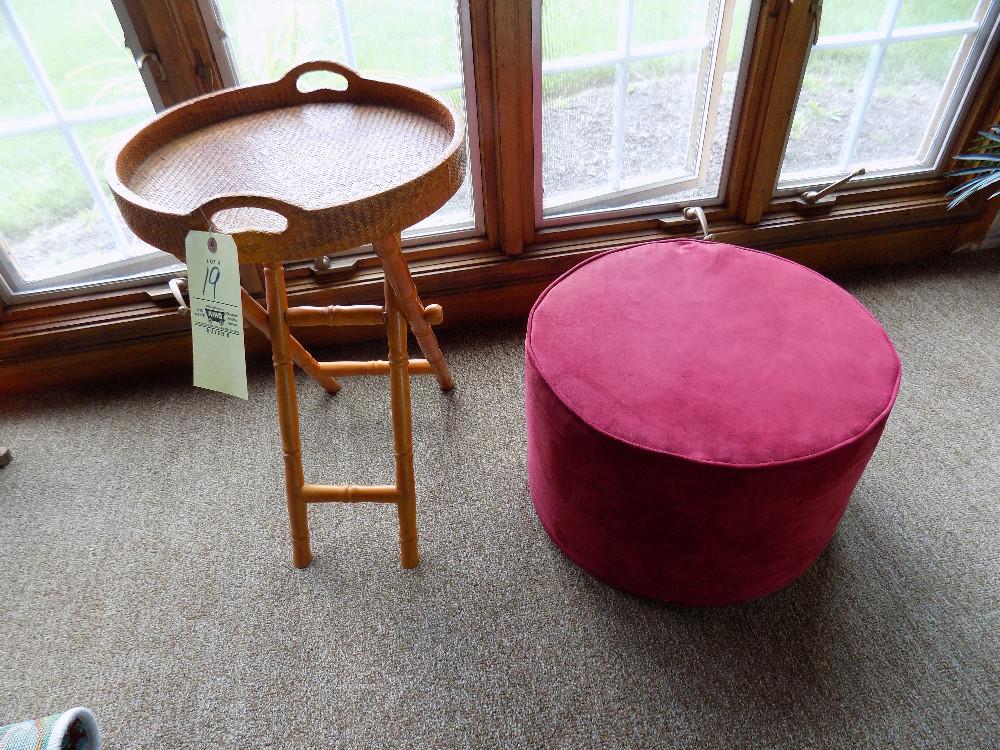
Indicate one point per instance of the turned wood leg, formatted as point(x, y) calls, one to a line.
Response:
point(390, 252)
point(402, 429)
point(288, 412)
point(257, 316)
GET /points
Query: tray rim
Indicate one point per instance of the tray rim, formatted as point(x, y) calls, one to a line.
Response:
point(360, 90)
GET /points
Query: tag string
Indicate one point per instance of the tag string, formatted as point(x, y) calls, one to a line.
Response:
point(212, 229)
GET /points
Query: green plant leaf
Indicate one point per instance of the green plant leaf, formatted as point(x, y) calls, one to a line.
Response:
point(973, 186)
point(993, 134)
point(970, 170)
point(986, 171)
point(977, 183)
point(979, 157)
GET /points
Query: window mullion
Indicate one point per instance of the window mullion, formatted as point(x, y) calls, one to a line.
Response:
point(948, 91)
point(642, 52)
point(344, 25)
point(713, 70)
point(100, 200)
point(868, 84)
point(51, 100)
point(626, 10)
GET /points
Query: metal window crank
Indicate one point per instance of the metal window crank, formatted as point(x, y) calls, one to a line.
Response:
point(822, 198)
point(177, 289)
point(692, 213)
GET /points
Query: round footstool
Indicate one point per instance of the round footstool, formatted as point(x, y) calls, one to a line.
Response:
point(698, 415)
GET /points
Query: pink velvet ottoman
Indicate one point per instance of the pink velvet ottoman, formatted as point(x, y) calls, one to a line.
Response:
point(698, 415)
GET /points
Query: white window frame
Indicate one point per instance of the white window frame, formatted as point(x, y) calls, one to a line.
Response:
point(980, 34)
point(466, 83)
point(619, 191)
point(129, 270)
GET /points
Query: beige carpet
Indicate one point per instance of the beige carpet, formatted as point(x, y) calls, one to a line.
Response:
point(144, 572)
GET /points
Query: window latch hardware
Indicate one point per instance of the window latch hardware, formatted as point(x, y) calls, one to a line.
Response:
point(173, 291)
point(155, 64)
point(327, 267)
point(205, 73)
point(816, 10)
point(177, 287)
point(697, 213)
point(822, 198)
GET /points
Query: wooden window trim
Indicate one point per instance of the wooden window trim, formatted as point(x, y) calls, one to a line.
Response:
point(175, 32)
point(510, 61)
point(778, 57)
point(853, 234)
point(480, 24)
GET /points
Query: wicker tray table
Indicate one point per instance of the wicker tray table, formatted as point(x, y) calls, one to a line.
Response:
point(294, 175)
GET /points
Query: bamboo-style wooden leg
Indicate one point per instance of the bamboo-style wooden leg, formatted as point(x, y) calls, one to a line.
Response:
point(288, 412)
point(390, 252)
point(257, 316)
point(402, 429)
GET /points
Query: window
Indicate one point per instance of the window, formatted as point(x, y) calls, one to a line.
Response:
point(423, 44)
point(70, 87)
point(884, 86)
point(636, 100)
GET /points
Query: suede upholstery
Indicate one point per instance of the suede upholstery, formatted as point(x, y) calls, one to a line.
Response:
point(698, 415)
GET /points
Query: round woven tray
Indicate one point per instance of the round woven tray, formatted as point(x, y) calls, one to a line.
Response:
point(291, 175)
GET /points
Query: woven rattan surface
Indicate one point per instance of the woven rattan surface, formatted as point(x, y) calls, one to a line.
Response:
point(340, 167)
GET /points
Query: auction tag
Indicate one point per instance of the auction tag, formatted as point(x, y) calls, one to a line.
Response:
point(220, 362)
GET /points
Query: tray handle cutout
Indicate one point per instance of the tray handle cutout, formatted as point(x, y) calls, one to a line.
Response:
point(293, 78)
point(204, 216)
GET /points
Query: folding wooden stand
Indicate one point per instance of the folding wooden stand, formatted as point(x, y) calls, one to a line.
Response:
point(311, 173)
point(402, 309)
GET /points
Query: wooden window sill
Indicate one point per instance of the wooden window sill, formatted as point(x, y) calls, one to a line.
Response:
point(49, 343)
